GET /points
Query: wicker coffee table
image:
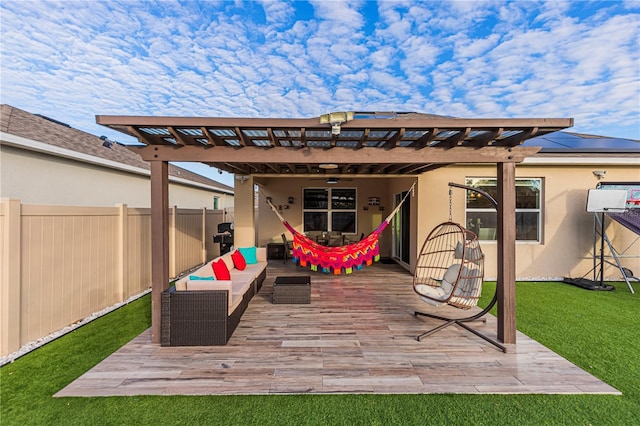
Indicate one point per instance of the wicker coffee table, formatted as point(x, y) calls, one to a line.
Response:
point(292, 289)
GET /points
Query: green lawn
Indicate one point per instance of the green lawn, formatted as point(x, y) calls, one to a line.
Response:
point(596, 330)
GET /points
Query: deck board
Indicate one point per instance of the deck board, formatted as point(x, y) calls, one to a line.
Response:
point(356, 336)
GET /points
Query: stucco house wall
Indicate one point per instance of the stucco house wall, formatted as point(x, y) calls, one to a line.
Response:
point(566, 246)
point(39, 178)
point(47, 162)
point(280, 189)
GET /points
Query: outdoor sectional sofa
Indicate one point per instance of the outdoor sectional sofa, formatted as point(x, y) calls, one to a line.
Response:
point(201, 312)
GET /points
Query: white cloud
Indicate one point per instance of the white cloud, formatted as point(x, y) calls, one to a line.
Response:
point(72, 60)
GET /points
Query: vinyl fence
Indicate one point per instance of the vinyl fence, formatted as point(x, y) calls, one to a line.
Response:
point(61, 264)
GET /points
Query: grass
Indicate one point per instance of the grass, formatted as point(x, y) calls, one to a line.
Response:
point(595, 330)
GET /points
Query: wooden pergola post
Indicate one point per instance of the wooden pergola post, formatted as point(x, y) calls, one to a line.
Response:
point(506, 234)
point(159, 242)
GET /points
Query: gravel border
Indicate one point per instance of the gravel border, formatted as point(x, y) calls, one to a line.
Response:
point(31, 346)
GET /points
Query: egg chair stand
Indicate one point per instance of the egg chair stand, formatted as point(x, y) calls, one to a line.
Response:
point(450, 271)
point(462, 323)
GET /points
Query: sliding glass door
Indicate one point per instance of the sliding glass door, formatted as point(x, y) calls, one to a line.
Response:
point(401, 228)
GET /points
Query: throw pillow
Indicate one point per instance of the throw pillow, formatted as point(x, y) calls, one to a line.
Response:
point(220, 270)
point(238, 260)
point(249, 254)
point(198, 278)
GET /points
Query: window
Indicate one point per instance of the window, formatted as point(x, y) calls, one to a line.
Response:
point(330, 209)
point(216, 203)
point(481, 216)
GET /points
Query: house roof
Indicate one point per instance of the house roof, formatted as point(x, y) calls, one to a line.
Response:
point(335, 143)
point(58, 134)
point(577, 143)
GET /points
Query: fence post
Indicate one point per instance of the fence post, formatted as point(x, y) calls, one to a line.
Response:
point(204, 234)
point(11, 281)
point(173, 221)
point(123, 252)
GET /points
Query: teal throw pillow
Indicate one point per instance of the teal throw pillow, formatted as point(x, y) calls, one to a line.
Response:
point(249, 254)
point(197, 278)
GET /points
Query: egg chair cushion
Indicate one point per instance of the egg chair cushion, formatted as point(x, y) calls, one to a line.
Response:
point(440, 293)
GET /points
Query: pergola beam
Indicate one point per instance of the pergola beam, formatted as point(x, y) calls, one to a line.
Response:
point(414, 122)
point(337, 155)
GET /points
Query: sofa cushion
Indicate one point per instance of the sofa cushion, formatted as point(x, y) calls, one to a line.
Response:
point(228, 260)
point(220, 270)
point(200, 285)
point(238, 260)
point(261, 254)
point(240, 287)
point(249, 254)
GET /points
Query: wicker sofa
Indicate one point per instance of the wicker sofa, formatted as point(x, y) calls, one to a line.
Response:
point(205, 313)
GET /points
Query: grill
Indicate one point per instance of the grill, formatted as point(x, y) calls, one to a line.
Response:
point(224, 237)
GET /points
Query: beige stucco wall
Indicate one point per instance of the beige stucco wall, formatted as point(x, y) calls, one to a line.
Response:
point(280, 189)
point(567, 236)
point(37, 178)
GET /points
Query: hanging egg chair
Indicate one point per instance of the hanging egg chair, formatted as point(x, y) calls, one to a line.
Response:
point(450, 270)
point(450, 267)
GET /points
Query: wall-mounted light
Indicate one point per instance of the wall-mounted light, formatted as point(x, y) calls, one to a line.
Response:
point(600, 174)
point(242, 178)
point(290, 200)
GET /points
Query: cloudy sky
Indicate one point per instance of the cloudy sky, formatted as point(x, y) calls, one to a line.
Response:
point(71, 60)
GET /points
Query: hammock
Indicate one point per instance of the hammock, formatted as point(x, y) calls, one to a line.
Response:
point(326, 259)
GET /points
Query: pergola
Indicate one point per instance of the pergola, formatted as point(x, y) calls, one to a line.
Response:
point(383, 144)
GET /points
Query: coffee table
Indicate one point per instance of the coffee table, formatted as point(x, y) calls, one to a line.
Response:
point(292, 289)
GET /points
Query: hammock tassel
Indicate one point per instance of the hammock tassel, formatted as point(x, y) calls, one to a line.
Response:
point(314, 268)
point(348, 271)
point(336, 271)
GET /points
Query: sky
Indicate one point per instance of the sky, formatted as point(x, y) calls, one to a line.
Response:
point(73, 60)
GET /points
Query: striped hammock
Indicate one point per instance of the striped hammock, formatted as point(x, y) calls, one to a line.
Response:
point(351, 257)
point(327, 259)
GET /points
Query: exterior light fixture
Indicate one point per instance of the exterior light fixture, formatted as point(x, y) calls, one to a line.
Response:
point(600, 174)
point(328, 166)
point(290, 200)
point(336, 119)
point(332, 181)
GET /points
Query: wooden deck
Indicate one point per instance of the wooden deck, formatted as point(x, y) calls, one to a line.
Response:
point(356, 336)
